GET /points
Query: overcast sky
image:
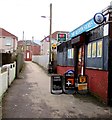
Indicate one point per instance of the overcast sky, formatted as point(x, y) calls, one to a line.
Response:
point(17, 16)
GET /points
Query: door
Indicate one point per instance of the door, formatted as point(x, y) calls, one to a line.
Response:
point(28, 56)
point(80, 60)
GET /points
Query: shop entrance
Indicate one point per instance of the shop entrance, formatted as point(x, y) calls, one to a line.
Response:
point(80, 60)
point(81, 80)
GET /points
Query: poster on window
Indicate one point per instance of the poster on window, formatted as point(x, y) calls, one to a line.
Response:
point(70, 53)
point(94, 50)
point(99, 49)
point(106, 30)
point(89, 50)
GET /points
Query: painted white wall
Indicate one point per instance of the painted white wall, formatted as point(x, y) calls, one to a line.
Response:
point(44, 47)
point(11, 72)
point(42, 60)
point(0, 84)
point(7, 77)
point(3, 81)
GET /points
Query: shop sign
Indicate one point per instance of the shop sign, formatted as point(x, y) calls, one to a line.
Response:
point(82, 83)
point(83, 28)
point(62, 37)
point(54, 46)
point(82, 87)
point(56, 84)
point(69, 80)
point(99, 18)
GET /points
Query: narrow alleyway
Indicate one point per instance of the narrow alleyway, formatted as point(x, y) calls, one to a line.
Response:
point(30, 97)
point(0, 110)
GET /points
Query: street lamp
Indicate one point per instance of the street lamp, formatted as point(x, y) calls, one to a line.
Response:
point(50, 37)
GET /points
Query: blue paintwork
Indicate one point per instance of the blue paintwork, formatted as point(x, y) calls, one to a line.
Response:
point(89, 25)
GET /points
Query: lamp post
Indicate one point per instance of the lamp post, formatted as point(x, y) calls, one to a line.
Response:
point(50, 37)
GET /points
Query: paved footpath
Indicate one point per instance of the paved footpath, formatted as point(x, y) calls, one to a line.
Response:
point(0, 110)
point(29, 97)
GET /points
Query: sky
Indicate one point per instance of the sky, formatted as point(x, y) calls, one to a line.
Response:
point(17, 16)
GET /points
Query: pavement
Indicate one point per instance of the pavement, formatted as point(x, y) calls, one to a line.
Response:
point(0, 110)
point(29, 96)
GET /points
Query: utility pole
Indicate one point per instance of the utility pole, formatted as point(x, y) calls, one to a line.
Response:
point(50, 32)
point(23, 35)
point(50, 66)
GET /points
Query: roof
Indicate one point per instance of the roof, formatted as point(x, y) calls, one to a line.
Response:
point(54, 35)
point(27, 42)
point(5, 33)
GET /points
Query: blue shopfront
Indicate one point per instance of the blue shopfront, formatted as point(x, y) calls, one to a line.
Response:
point(92, 55)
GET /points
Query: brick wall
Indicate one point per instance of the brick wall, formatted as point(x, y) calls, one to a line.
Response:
point(98, 83)
point(36, 50)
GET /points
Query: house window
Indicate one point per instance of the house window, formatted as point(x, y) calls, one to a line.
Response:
point(93, 49)
point(22, 48)
point(8, 41)
point(27, 47)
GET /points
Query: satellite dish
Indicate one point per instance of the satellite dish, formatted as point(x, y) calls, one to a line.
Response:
point(99, 18)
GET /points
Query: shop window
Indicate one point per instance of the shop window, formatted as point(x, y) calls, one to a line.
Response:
point(106, 30)
point(69, 61)
point(93, 49)
point(97, 33)
point(94, 55)
point(99, 49)
point(70, 53)
point(89, 50)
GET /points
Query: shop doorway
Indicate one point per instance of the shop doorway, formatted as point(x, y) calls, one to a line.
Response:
point(80, 60)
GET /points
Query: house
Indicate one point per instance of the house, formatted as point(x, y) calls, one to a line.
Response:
point(29, 48)
point(8, 41)
point(54, 41)
point(51, 53)
point(89, 54)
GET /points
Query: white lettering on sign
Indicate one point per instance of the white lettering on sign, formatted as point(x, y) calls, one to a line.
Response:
point(83, 28)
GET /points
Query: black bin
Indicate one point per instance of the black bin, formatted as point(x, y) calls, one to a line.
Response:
point(56, 84)
point(50, 68)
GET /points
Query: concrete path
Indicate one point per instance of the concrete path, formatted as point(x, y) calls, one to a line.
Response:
point(0, 110)
point(30, 97)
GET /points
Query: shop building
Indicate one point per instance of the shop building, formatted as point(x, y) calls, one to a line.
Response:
point(89, 52)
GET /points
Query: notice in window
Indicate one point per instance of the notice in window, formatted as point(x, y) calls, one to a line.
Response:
point(94, 50)
point(70, 53)
point(89, 50)
point(99, 49)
